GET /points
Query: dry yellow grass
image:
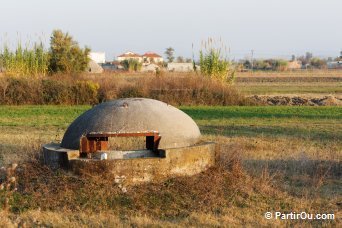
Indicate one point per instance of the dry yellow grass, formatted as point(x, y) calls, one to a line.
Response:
point(256, 174)
point(315, 193)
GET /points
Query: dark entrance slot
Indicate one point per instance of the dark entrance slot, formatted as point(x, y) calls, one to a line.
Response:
point(98, 141)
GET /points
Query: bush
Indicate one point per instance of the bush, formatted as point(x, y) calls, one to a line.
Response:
point(130, 91)
point(22, 91)
point(55, 92)
point(280, 65)
point(187, 90)
point(85, 92)
point(318, 63)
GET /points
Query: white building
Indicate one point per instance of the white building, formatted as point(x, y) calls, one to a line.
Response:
point(98, 57)
point(151, 57)
point(130, 55)
point(335, 65)
point(150, 68)
point(180, 67)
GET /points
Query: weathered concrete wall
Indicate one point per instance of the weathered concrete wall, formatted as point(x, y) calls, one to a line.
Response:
point(173, 162)
point(185, 161)
point(58, 157)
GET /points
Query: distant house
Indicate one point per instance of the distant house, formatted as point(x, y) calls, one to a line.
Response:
point(98, 57)
point(335, 65)
point(130, 55)
point(151, 57)
point(180, 67)
point(294, 65)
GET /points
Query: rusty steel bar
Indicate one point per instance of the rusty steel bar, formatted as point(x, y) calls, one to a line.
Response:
point(96, 141)
point(114, 134)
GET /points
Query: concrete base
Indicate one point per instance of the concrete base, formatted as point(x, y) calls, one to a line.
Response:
point(58, 157)
point(131, 169)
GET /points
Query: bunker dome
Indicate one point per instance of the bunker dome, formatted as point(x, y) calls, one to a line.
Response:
point(130, 115)
point(171, 140)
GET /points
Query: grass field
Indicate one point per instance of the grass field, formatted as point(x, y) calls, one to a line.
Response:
point(268, 88)
point(317, 82)
point(272, 159)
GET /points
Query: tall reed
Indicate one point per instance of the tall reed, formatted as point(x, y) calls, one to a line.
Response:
point(214, 62)
point(25, 61)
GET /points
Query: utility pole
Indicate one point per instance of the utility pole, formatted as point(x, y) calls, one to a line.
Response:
point(252, 62)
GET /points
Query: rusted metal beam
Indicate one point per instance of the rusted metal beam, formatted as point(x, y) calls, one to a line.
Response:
point(114, 134)
point(96, 141)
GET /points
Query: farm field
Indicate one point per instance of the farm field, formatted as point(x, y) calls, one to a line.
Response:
point(272, 158)
point(307, 83)
point(304, 88)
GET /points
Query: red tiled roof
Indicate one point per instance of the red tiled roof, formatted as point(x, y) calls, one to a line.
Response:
point(151, 55)
point(129, 54)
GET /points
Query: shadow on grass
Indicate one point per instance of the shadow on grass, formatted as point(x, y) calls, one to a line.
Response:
point(276, 131)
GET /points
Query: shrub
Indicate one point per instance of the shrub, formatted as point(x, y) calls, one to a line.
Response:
point(48, 91)
point(85, 92)
point(22, 91)
point(55, 92)
point(318, 63)
point(189, 89)
point(280, 65)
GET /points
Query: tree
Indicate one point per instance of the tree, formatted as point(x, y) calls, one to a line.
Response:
point(170, 54)
point(65, 54)
point(180, 59)
point(131, 65)
point(318, 63)
point(280, 65)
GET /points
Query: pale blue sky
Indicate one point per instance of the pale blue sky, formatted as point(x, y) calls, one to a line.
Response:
point(273, 28)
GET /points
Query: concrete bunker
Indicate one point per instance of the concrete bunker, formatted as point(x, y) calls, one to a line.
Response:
point(171, 140)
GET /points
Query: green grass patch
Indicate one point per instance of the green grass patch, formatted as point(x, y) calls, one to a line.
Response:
point(263, 112)
point(319, 123)
point(40, 115)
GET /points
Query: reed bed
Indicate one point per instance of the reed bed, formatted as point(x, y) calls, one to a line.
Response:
point(30, 62)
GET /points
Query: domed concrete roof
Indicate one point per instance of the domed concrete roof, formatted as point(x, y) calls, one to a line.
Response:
point(132, 115)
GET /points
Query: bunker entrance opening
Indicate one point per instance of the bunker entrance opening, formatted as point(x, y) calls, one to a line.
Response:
point(120, 145)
